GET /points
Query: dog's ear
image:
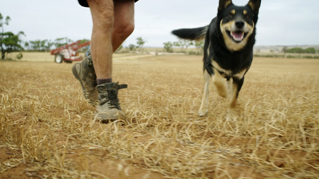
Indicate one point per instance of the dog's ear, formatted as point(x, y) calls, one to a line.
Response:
point(223, 4)
point(254, 5)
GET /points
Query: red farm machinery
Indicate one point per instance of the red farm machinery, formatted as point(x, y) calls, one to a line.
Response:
point(68, 53)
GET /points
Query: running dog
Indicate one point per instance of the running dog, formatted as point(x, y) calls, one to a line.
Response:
point(228, 50)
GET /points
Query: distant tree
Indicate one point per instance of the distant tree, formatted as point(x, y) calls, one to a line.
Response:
point(48, 45)
point(300, 50)
point(295, 50)
point(140, 43)
point(35, 45)
point(310, 50)
point(9, 42)
point(176, 44)
point(200, 46)
point(168, 47)
point(132, 47)
point(84, 40)
point(26, 45)
point(58, 42)
point(284, 50)
point(84, 49)
point(43, 45)
point(183, 44)
point(187, 43)
point(179, 44)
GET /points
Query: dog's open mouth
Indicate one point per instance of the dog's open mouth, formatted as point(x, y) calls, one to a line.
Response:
point(237, 36)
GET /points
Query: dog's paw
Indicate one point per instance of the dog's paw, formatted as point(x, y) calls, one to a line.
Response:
point(223, 93)
point(202, 113)
point(231, 115)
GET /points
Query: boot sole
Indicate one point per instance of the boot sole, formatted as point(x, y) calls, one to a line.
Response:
point(76, 75)
point(108, 118)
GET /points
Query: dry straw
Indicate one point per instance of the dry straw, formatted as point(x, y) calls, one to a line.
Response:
point(49, 129)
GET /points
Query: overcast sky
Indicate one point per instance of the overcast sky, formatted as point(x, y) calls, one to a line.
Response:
point(281, 22)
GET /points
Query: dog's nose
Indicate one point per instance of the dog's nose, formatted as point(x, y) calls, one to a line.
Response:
point(239, 24)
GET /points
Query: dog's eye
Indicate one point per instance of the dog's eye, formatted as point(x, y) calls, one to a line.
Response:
point(230, 16)
point(248, 16)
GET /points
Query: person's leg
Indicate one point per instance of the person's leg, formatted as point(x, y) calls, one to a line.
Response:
point(107, 36)
point(101, 42)
point(112, 24)
point(101, 50)
point(123, 22)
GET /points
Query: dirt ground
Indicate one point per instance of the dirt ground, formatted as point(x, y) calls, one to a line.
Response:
point(47, 129)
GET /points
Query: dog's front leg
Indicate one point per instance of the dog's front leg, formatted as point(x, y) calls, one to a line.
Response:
point(236, 86)
point(203, 110)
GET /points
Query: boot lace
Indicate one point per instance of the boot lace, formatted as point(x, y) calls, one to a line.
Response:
point(113, 99)
point(110, 96)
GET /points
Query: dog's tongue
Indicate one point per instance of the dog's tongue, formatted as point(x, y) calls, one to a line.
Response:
point(238, 35)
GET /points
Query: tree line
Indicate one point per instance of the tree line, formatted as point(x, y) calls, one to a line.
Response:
point(133, 48)
point(47, 45)
point(309, 50)
point(183, 45)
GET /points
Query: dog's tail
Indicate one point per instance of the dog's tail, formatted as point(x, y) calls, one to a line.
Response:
point(191, 34)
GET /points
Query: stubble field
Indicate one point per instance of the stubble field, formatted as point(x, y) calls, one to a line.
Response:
point(47, 128)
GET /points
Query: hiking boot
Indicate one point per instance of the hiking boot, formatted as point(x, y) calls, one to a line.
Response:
point(85, 73)
point(109, 108)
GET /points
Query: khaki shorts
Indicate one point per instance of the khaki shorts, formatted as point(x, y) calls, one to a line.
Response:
point(85, 4)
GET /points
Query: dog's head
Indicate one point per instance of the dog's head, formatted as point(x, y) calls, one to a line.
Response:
point(237, 23)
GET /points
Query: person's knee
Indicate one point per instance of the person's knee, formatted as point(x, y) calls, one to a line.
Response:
point(106, 21)
point(103, 18)
point(124, 29)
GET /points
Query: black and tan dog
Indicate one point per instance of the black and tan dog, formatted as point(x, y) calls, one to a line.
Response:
point(228, 49)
